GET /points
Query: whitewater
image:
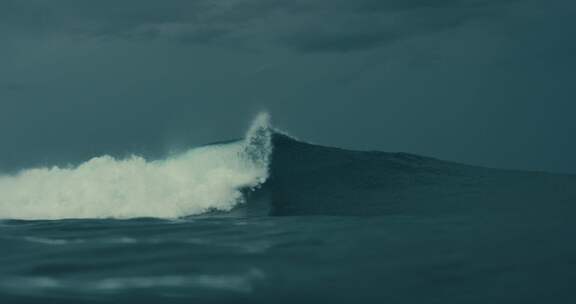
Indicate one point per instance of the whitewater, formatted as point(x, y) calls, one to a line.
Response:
point(203, 179)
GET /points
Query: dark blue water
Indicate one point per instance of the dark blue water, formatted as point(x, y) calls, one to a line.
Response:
point(391, 259)
point(329, 225)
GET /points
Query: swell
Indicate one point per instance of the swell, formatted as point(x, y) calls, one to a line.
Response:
point(308, 179)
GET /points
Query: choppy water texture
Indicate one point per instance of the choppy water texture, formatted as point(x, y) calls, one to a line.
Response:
point(269, 219)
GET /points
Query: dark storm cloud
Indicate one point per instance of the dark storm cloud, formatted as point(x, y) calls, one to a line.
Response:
point(360, 32)
point(342, 26)
point(303, 25)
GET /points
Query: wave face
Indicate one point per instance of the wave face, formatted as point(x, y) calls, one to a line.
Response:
point(197, 181)
point(307, 179)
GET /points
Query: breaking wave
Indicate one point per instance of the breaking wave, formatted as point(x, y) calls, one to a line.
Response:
point(197, 181)
point(271, 173)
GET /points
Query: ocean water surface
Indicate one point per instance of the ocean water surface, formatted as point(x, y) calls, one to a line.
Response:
point(270, 219)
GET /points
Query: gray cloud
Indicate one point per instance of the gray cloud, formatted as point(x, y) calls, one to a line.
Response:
point(358, 32)
point(303, 25)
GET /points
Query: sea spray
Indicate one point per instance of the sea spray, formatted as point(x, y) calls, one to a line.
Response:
point(194, 182)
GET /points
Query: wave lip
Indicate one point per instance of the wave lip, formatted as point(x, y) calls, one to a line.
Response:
point(197, 181)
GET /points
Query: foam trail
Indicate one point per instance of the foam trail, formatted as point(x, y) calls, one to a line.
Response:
point(191, 183)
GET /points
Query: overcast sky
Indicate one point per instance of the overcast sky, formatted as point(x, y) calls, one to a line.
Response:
point(486, 82)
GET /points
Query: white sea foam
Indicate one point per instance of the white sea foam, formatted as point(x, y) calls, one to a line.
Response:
point(240, 283)
point(194, 182)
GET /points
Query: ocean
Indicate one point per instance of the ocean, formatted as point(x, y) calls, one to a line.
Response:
point(273, 219)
